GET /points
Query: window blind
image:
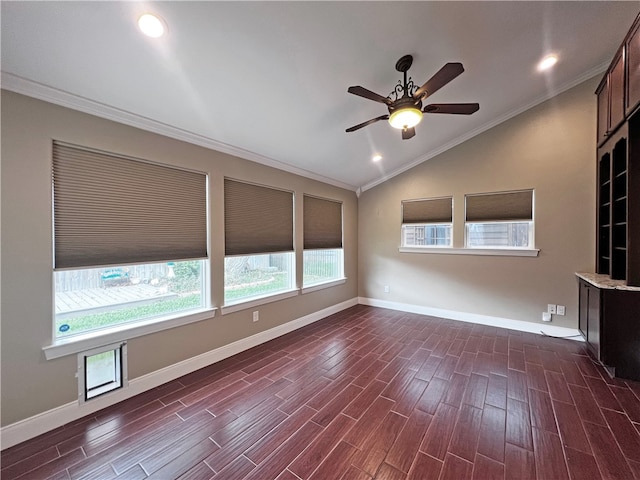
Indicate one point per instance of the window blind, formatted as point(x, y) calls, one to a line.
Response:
point(111, 210)
point(322, 223)
point(430, 210)
point(257, 219)
point(504, 206)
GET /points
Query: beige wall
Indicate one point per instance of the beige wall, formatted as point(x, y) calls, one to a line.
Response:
point(550, 148)
point(31, 384)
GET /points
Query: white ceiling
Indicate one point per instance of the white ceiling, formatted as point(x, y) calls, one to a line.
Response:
point(268, 81)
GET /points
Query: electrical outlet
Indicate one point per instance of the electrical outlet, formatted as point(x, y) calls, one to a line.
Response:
point(546, 317)
point(386, 289)
point(256, 316)
point(560, 309)
point(551, 308)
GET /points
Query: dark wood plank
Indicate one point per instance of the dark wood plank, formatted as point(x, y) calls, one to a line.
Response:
point(318, 450)
point(519, 463)
point(425, 467)
point(570, 427)
point(487, 469)
point(432, 396)
point(456, 469)
point(518, 424)
point(581, 465)
point(436, 440)
point(610, 459)
point(404, 449)
point(491, 441)
point(627, 437)
point(464, 439)
point(550, 462)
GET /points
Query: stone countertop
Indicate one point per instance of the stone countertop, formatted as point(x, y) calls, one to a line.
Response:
point(604, 281)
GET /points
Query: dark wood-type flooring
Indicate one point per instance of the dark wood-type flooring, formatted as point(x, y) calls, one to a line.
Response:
point(366, 393)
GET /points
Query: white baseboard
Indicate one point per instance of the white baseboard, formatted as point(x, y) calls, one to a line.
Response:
point(476, 318)
point(43, 422)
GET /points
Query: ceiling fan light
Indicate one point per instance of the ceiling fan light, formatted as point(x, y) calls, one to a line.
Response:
point(405, 118)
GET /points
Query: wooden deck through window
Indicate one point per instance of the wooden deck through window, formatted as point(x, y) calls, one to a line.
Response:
point(366, 393)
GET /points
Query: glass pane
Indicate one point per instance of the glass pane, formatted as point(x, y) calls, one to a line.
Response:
point(95, 298)
point(499, 234)
point(322, 266)
point(427, 235)
point(252, 276)
point(102, 369)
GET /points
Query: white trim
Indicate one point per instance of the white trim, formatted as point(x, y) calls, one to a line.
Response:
point(503, 252)
point(483, 128)
point(256, 302)
point(24, 86)
point(491, 321)
point(322, 286)
point(43, 422)
point(120, 333)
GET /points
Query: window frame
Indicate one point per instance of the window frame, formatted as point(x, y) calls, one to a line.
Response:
point(74, 344)
point(326, 283)
point(437, 221)
point(530, 235)
point(238, 191)
point(426, 225)
point(323, 237)
point(121, 348)
point(499, 220)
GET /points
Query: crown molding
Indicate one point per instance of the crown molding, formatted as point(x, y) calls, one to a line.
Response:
point(24, 86)
point(483, 128)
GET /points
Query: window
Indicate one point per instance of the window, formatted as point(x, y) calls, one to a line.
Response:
point(101, 370)
point(97, 298)
point(259, 259)
point(323, 260)
point(499, 220)
point(130, 240)
point(427, 222)
point(250, 276)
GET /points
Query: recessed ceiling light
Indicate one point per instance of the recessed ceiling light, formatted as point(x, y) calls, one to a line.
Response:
point(377, 157)
point(547, 62)
point(151, 25)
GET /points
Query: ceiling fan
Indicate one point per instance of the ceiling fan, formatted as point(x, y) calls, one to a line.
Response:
point(405, 110)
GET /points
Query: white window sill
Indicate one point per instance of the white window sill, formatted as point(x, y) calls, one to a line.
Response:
point(506, 252)
point(254, 302)
point(118, 333)
point(322, 286)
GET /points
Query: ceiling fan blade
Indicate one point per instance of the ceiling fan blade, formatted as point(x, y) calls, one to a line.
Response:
point(453, 108)
point(363, 92)
point(408, 133)
point(439, 80)
point(368, 122)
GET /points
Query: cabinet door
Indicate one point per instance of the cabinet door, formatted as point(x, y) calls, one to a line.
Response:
point(603, 112)
point(616, 92)
point(593, 326)
point(633, 69)
point(583, 312)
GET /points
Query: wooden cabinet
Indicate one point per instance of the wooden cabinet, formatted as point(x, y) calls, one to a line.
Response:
point(616, 92)
point(611, 98)
point(632, 60)
point(609, 300)
point(603, 111)
point(589, 316)
point(608, 320)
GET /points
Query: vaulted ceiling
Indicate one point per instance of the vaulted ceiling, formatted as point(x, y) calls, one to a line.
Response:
point(267, 81)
